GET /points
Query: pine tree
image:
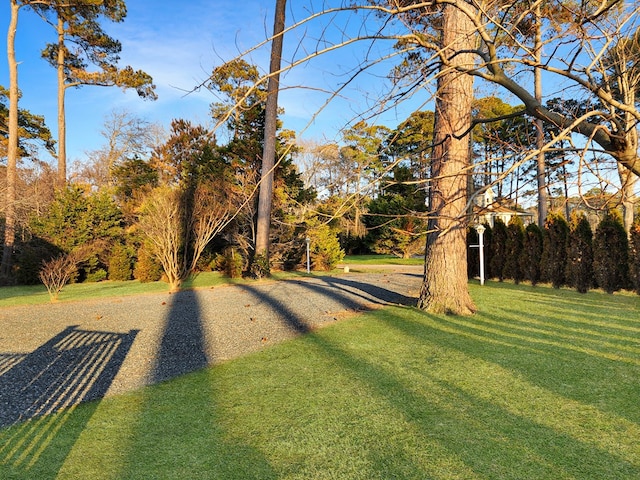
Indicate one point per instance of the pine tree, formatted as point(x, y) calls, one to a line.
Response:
point(611, 254)
point(554, 250)
point(532, 253)
point(580, 254)
point(498, 249)
point(635, 256)
point(513, 249)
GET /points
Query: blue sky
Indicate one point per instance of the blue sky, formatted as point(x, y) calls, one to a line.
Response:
point(178, 44)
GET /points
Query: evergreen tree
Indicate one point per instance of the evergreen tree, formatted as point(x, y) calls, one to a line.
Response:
point(554, 250)
point(532, 253)
point(513, 249)
point(635, 256)
point(611, 254)
point(580, 254)
point(498, 249)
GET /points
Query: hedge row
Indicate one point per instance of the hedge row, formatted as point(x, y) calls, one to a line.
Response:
point(562, 253)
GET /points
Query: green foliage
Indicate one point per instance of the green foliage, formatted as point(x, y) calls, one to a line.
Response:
point(514, 249)
point(147, 268)
point(260, 266)
point(75, 218)
point(394, 226)
point(611, 253)
point(554, 250)
point(532, 253)
point(635, 256)
point(325, 251)
point(29, 259)
point(120, 263)
point(580, 254)
point(498, 249)
point(230, 262)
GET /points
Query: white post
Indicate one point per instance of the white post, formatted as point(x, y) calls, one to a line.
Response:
point(480, 229)
point(308, 241)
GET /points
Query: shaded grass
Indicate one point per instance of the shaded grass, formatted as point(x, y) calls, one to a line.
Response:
point(541, 384)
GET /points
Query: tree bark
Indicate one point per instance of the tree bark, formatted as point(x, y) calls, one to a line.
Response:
point(62, 124)
point(12, 148)
point(541, 178)
point(445, 289)
point(265, 197)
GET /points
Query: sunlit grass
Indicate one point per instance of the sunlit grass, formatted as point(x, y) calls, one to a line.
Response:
point(541, 384)
point(381, 260)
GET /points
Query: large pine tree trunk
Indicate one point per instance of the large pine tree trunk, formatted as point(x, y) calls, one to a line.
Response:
point(62, 121)
point(445, 289)
point(12, 149)
point(265, 197)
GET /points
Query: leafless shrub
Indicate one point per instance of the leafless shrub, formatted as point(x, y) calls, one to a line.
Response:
point(57, 272)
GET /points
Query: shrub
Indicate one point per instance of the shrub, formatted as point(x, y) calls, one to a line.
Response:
point(554, 250)
point(580, 254)
point(498, 249)
point(120, 263)
point(57, 272)
point(611, 254)
point(260, 266)
point(531, 253)
point(325, 251)
point(147, 269)
point(231, 263)
point(635, 256)
point(514, 248)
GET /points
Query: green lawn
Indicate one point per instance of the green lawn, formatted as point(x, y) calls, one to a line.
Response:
point(37, 294)
point(381, 260)
point(541, 384)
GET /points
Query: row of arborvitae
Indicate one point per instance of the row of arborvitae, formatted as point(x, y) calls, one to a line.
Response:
point(562, 253)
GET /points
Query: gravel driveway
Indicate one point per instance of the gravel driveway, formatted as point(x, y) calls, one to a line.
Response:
point(57, 355)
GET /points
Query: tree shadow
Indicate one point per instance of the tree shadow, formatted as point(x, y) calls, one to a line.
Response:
point(178, 423)
point(38, 391)
point(182, 348)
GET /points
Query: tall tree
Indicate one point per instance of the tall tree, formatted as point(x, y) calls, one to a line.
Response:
point(444, 289)
point(12, 145)
point(265, 196)
point(77, 24)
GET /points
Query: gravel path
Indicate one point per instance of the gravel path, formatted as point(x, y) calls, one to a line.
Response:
point(57, 355)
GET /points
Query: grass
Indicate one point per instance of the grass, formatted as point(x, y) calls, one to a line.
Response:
point(37, 294)
point(541, 384)
point(381, 260)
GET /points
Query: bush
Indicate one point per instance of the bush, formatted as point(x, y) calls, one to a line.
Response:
point(554, 250)
point(611, 254)
point(324, 250)
point(260, 266)
point(147, 268)
point(531, 253)
point(580, 254)
point(498, 249)
point(514, 248)
point(231, 263)
point(635, 256)
point(120, 263)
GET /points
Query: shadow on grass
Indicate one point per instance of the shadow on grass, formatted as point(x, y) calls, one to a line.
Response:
point(39, 391)
point(176, 433)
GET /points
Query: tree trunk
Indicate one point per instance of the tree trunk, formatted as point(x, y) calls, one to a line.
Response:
point(62, 125)
point(543, 199)
point(445, 288)
point(12, 148)
point(627, 189)
point(265, 197)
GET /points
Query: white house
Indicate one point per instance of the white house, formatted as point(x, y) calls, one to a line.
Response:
point(487, 209)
